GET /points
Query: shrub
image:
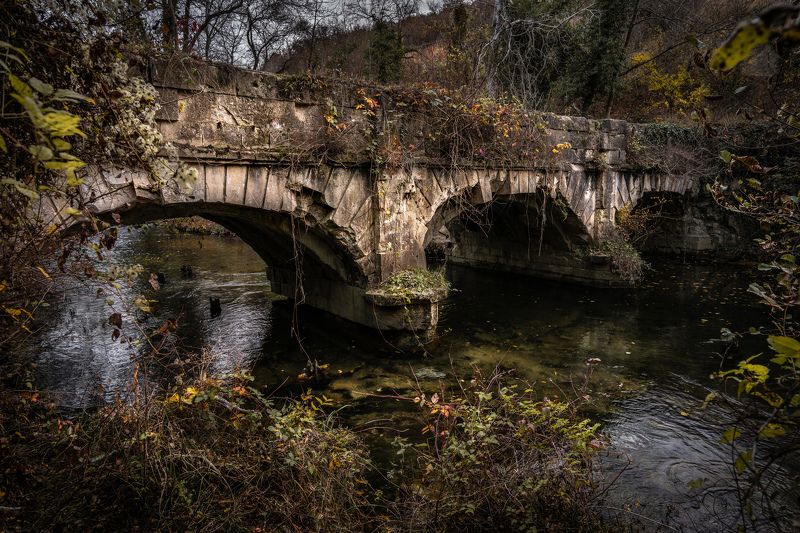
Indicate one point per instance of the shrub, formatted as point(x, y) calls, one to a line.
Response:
point(625, 259)
point(679, 91)
point(205, 456)
point(496, 458)
point(415, 283)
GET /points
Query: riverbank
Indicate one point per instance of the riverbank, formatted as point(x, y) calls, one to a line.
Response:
point(195, 225)
point(210, 452)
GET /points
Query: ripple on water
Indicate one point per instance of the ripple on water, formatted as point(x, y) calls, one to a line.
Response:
point(672, 458)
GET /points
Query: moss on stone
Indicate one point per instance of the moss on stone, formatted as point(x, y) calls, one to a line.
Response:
point(413, 285)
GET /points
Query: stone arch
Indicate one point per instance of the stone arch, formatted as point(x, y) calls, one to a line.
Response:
point(533, 221)
point(628, 188)
point(277, 209)
point(326, 213)
point(522, 221)
point(452, 191)
point(277, 237)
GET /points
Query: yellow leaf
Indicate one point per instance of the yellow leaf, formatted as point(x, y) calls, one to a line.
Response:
point(742, 461)
point(62, 124)
point(188, 394)
point(730, 435)
point(19, 86)
point(72, 212)
point(44, 272)
point(772, 430)
point(73, 180)
point(142, 304)
point(784, 345)
point(21, 188)
point(65, 165)
point(739, 47)
point(61, 145)
point(41, 152)
point(760, 372)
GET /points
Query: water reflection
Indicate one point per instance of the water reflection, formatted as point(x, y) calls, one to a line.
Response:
point(81, 362)
point(653, 343)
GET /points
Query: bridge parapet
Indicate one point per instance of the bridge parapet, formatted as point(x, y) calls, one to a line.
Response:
point(213, 111)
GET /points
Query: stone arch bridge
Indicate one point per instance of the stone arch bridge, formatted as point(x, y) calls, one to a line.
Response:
point(290, 165)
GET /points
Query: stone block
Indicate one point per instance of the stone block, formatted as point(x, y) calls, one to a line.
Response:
point(275, 185)
point(235, 184)
point(215, 183)
point(168, 101)
point(614, 157)
point(611, 125)
point(257, 177)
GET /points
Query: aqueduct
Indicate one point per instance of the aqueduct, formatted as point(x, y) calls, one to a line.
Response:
point(298, 168)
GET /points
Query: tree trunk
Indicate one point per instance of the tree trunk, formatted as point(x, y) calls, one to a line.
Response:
point(498, 18)
point(187, 6)
point(169, 25)
point(135, 24)
point(612, 91)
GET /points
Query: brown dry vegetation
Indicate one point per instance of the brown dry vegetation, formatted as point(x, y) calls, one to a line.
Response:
point(664, 76)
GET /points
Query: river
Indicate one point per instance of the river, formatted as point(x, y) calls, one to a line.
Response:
point(655, 345)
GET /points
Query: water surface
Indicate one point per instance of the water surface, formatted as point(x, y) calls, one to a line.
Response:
point(655, 345)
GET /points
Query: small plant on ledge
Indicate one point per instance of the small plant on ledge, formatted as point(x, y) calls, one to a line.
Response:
point(624, 257)
point(414, 284)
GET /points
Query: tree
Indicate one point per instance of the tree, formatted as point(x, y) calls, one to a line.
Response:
point(385, 54)
point(530, 45)
point(595, 65)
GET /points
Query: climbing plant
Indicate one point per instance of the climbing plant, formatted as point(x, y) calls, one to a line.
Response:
point(70, 106)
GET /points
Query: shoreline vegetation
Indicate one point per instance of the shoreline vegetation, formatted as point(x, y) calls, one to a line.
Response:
point(195, 225)
point(210, 453)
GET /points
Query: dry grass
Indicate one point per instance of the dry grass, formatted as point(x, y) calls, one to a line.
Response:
point(212, 455)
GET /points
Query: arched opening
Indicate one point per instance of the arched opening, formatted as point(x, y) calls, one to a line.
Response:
point(279, 238)
point(657, 223)
point(534, 234)
point(306, 261)
point(671, 223)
